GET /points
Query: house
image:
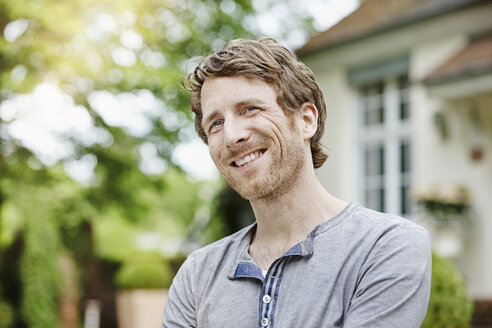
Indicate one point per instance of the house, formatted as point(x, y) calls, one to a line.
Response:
point(408, 88)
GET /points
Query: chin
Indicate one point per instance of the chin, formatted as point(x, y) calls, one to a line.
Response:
point(249, 191)
point(268, 186)
point(254, 192)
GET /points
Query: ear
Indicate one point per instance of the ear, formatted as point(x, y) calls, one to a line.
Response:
point(309, 120)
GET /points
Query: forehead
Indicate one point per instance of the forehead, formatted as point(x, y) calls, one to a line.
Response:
point(229, 91)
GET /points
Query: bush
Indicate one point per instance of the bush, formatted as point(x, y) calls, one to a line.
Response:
point(6, 315)
point(145, 271)
point(39, 272)
point(449, 306)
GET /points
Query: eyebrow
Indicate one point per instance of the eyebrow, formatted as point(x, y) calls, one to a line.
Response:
point(249, 101)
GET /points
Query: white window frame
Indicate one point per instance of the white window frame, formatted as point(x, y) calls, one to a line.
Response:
point(390, 134)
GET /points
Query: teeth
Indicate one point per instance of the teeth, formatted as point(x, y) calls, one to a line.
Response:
point(247, 159)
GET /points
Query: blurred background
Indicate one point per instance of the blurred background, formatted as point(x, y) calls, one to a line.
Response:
point(105, 188)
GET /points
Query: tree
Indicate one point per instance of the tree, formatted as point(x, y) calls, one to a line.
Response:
point(131, 54)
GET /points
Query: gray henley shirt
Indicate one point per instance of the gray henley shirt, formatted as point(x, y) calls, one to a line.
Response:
point(360, 269)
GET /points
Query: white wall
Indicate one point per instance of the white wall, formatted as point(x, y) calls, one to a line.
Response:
point(336, 174)
point(447, 162)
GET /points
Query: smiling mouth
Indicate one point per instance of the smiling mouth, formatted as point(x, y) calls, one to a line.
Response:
point(248, 158)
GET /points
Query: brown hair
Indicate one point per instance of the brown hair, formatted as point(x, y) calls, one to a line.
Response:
point(267, 60)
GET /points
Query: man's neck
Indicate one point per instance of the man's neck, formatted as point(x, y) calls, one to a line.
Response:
point(289, 216)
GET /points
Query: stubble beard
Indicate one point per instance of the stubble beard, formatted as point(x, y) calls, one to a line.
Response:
point(277, 179)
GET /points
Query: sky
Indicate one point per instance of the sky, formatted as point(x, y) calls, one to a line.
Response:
point(44, 119)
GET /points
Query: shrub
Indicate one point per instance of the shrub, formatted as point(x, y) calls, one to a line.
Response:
point(6, 315)
point(39, 273)
point(145, 271)
point(449, 306)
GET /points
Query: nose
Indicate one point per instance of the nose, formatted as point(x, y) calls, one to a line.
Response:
point(235, 133)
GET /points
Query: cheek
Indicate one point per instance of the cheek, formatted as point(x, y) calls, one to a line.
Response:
point(214, 152)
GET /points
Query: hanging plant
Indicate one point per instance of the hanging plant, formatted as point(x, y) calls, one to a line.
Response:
point(445, 205)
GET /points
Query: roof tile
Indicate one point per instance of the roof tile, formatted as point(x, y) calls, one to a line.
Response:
point(473, 60)
point(374, 16)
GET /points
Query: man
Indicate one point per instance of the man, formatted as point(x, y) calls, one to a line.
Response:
point(310, 260)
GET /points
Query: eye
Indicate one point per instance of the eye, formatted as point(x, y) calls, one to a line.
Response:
point(215, 125)
point(250, 109)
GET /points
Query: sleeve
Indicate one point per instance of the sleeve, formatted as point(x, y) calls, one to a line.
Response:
point(394, 283)
point(179, 311)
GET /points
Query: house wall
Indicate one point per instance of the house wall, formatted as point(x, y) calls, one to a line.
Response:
point(435, 159)
point(336, 174)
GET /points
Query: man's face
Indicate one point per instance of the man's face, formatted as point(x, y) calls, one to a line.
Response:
point(257, 148)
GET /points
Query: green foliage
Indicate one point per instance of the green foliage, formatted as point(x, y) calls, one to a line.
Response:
point(72, 44)
point(35, 197)
point(449, 306)
point(172, 209)
point(144, 271)
point(233, 211)
point(6, 315)
point(39, 271)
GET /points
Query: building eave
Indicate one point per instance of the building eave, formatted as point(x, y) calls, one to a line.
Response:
point(461, 86)
point(397, 23)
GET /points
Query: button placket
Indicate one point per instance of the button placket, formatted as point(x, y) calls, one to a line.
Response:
point(269, 293)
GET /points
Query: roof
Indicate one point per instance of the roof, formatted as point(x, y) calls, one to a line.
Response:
point(376, 16)
point(474, 60)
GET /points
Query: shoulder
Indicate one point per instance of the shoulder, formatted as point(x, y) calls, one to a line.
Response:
point(394, 240)
point(393, 272)
point(371, 234)
point(383, 225)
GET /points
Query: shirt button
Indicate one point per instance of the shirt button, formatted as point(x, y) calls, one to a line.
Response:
point(266, 299)
point(264, 322)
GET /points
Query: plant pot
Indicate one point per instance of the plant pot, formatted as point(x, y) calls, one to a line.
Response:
point(137, 308)
point(447, 240)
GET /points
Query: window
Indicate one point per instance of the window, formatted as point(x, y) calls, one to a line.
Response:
point(374, 176)
point(405, 204)
point(384, 145)
point(373, 105)
point(403, 103)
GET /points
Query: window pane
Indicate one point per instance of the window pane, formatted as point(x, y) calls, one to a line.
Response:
point(374, 199)
point(403, 86)
point(381, 114)
point(368, 117)
point(403, 81)
point(374, 160)
point(404, 200)
point(373, 113)
point(373, 109)
point(405, 203)
point(381, 200)
point(404, 157)
point(404, 111)
point(379, 87)
point(381, 160)
point(367, 159)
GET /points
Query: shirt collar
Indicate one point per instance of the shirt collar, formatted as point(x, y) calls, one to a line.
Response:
point(244, 265)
